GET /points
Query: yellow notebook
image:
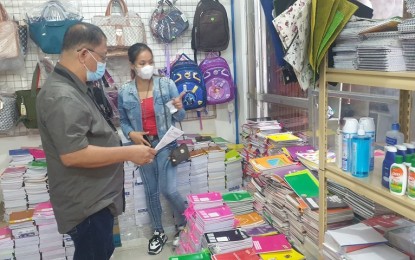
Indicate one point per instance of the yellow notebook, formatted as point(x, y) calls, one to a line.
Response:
point(283, 137)
point(283, 255)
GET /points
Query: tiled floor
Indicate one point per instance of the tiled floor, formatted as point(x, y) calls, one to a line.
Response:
point(137, 250)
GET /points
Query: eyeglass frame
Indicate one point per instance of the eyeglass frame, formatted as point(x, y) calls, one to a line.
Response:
point(103, 58)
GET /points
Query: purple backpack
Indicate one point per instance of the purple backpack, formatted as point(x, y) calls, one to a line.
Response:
point(218, 79)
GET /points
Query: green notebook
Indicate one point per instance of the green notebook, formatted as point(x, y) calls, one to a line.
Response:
point(203, 255)
point(303, 183)
point(236, 196)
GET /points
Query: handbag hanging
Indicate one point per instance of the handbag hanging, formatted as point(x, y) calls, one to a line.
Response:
point(26, 101)
point(180, 153)
point(9, 38)
point(123, 30)
point(48, 27)
point(8, 112)
point(11, 58)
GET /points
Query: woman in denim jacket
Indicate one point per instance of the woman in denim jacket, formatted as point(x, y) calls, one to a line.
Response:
point(141, 103)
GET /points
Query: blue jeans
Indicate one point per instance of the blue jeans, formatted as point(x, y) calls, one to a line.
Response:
point(93, 238)
point(160, 175)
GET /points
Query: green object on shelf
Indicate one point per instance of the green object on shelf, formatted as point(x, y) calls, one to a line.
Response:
point(236, 196)
point(203, 255)
point(303, 183)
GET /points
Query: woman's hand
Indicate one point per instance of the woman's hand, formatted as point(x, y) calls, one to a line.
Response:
point(177, 102)
point(138, 138)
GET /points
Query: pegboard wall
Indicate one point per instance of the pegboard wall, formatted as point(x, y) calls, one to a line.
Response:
point(119, 66)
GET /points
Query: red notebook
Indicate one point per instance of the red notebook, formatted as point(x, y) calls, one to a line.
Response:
point(244, 254)
point(267, 244)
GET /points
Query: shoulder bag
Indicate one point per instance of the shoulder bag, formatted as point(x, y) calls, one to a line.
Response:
point(180, 153)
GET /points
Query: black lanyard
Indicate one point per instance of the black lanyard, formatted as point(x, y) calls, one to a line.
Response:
point(66, 75)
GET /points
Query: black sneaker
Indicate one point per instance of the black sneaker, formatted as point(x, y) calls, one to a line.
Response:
point(176, 239)
point(156, 243)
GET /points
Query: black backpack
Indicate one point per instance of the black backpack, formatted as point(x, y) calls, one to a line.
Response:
point(210, 31)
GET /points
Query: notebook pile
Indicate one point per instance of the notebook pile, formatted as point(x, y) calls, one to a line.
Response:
point(240, 202)
point(199, 171)
point(14, 195)
point(35, 183)
point(216, 168)
point(226, 241)
point(6, 243)
point(50, 241)
point(26, 235)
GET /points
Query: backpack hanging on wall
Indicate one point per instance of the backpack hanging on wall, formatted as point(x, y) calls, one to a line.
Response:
point(218, 79)
point(210, 27)
point(188, 78)
point(167, 22)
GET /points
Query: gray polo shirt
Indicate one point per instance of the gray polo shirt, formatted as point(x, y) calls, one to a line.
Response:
point(68, 122)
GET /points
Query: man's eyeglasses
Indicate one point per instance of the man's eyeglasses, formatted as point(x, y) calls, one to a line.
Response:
point(103, 58)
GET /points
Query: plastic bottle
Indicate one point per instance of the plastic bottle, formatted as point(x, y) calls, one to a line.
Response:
point(394, 136)
point(387, 162)
point(360, 153)
point(398, 177)
point(338, 147)
point(401, 150)
point(349, 130)
point(369, 127)
point(408, 161)
point(410, 148)
point(411, 180)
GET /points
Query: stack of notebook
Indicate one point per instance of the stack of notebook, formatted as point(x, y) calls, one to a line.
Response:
point(240, 202)
point(245, 254)
point(233, 170)
point(216, 168)
point(381, 51)
point(25, 233)
point(14, 195)
point(20, 157)
point(269, 244)
point(249, 220)
point(226, 241)
point(214, 219)
point(204, 200)
point(35, 183)
point(199, 171)
point(69, 246)
point(50, 241)
point(183, 178)
point(268, 164)
point(6, 243)
point(340, 242)
point(407, 30)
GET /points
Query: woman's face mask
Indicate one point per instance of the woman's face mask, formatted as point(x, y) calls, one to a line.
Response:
point(145, 72)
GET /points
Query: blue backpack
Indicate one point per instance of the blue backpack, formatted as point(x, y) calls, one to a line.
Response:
point(188, 78)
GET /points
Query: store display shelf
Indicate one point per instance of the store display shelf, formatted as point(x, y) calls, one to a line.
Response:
point(372, 188)
point(396, 80)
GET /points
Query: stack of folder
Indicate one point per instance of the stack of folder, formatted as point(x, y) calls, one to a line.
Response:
point(233, 171)
point(183, 178)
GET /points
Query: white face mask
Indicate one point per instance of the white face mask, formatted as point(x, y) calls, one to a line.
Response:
point(145, 72)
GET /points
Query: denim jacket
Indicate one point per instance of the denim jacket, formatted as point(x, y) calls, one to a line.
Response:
point(129, 106)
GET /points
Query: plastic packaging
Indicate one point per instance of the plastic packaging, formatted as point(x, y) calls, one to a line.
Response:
point(411, 180)
point(349, 130)
point(360, 153)
point(398, 177)
point(387, 162)
point(369, 127)
point(338, 147)
point(393, 136)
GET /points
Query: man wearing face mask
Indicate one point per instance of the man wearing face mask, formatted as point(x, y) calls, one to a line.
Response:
point(83, 152)
point(145, 117)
